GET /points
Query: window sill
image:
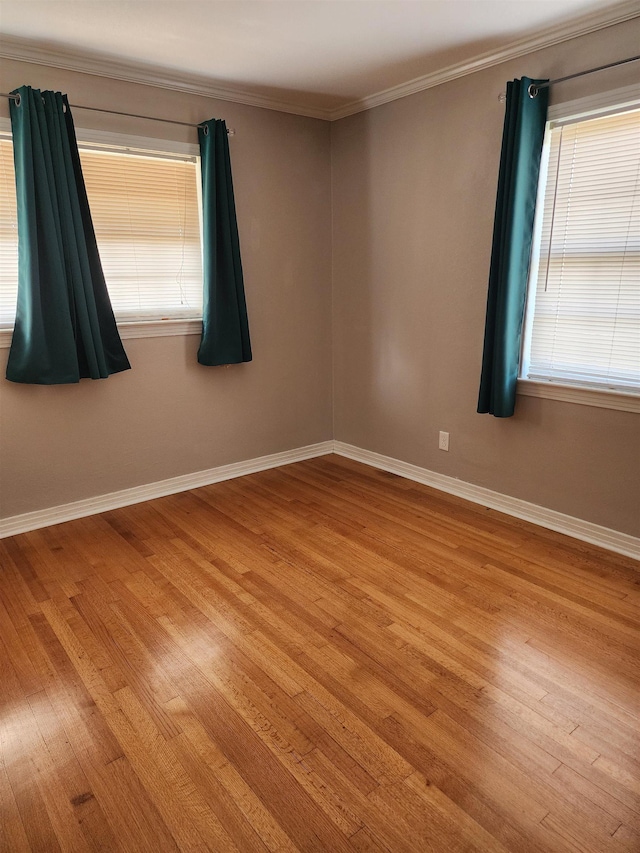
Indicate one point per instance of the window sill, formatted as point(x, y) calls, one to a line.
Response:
point(583, 396)
point(159, 328)
point(146, 329)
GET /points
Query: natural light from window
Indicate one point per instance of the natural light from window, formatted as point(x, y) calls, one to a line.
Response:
point(583, 313)
point(146, 214)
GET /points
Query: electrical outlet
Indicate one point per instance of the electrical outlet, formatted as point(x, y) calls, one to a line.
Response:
point(443, 441)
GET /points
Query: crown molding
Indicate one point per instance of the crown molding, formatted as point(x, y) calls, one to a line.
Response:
point(584, 25)
point(25, 50)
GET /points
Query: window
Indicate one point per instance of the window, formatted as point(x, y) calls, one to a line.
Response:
point(8, 236)
point(582, 324)
point(145, 207)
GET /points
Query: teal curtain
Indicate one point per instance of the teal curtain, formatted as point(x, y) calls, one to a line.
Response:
point(522, 140)
point(65, 329)
point(225, 327)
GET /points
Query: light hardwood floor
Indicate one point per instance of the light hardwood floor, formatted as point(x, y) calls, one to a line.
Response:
point(322, 657)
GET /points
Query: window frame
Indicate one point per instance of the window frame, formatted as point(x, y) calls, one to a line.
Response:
point(611, 102)
point(109, 139)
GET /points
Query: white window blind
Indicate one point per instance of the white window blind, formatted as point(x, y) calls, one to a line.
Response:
point(8, 237)
point(583, 324)
point(145, 211)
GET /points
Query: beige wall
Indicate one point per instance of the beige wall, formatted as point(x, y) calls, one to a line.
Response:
point(414, 185)
point(168, 415)
point(410, 187)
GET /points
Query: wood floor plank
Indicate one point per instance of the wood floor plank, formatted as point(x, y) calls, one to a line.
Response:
point(321, 657)
point(238, 795)
point(12, 832)
point(68, 779)
point(19, 745)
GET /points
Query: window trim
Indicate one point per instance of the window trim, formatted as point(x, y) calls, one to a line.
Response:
point(138, 329)
point(600, 398)
point(616, 100)
point(109, 139)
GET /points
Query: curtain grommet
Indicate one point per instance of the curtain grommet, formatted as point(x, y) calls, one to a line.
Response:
point(18, 99)
point(532, 90)
point(206, 130)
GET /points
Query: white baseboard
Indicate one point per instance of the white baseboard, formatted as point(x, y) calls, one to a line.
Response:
point(114, 500)
point(613, 540)
point(595, 534)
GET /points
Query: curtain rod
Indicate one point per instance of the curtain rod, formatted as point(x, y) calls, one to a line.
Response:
point(230, 131)
point(533, 89)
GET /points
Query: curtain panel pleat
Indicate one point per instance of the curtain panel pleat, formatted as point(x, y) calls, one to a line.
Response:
point(522, 140)
point(225, 327)
point(65, 329)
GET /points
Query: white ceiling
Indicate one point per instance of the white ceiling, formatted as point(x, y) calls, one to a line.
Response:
point(322, 54)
